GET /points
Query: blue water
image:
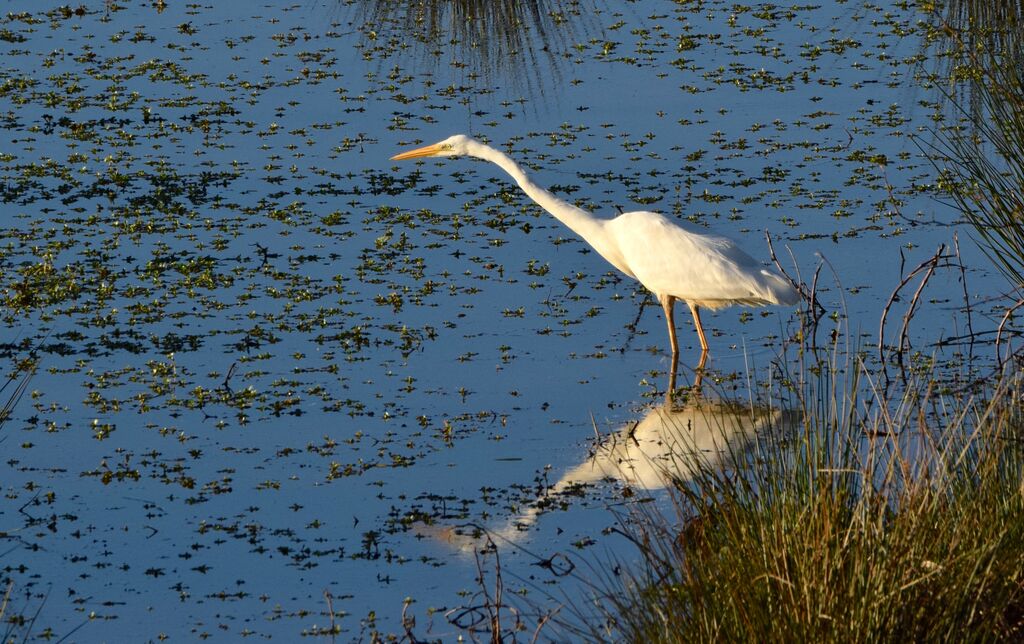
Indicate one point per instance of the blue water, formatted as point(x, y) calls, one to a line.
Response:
point(284, 348)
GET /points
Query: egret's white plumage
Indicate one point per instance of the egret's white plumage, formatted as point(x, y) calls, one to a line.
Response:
point(705, 270)
point(672, 260)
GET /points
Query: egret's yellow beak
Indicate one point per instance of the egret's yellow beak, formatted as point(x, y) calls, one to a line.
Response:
point(426, 151)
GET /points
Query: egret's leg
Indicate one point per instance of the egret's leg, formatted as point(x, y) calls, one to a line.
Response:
point(668, 304)
point(695, 311)
point(703, 361)
point(700, 331)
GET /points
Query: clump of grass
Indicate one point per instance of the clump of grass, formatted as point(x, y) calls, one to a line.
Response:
point(877, 517)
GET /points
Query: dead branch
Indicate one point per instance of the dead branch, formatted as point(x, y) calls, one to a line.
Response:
point(904, 329)
point(929, 264)
point(967, 298)
point(999, 332)
point(815, 309)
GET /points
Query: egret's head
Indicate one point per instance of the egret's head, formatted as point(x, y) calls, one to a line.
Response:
point(453, 146)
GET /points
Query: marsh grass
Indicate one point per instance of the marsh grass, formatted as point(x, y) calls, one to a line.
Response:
point(875, 517)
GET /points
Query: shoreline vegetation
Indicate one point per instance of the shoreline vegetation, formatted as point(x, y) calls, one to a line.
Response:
point(864, 509)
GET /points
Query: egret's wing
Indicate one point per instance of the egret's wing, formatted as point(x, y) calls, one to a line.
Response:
point(670, 259)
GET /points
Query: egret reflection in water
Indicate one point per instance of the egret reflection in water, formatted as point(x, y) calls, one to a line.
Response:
point(666, 447)
point(522, 43)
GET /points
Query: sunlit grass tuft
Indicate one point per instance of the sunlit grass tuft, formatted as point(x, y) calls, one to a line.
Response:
point(876, 517)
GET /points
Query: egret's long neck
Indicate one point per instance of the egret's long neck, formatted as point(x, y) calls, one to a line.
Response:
point(584, 224)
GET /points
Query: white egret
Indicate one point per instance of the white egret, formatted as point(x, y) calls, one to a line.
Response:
point(673, 261)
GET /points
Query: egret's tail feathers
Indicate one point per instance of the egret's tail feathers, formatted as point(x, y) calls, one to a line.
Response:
point(779, 290)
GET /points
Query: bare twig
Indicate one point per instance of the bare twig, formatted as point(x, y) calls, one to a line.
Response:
point(330, 613)
point(965, 338)
point(1002, 324)
point(904, 330)
point(967, 298)
point(816, 310)
point(490, 610)
point(543, 620)
point(928, 264)
point(35, 615)
point(72, 632)
point(227, 378)
point(7, 598)
point(814, 303)
point(499, 587)
point(778, 265)
point(409, 623)
point(849, 140)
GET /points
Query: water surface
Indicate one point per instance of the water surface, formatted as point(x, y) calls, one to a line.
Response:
point(268, 356)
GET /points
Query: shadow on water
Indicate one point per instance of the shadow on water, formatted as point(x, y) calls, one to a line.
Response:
point(666, 447)
point(523, 44)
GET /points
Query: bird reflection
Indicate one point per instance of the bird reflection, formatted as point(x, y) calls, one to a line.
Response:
point(698, 377)
point(667, 446)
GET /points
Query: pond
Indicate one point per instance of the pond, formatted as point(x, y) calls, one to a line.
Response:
point(276, 371)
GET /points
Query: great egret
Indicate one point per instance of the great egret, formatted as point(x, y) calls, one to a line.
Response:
point(674, 262)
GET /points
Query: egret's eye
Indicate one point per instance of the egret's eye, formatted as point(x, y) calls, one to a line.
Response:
point(446, 146)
